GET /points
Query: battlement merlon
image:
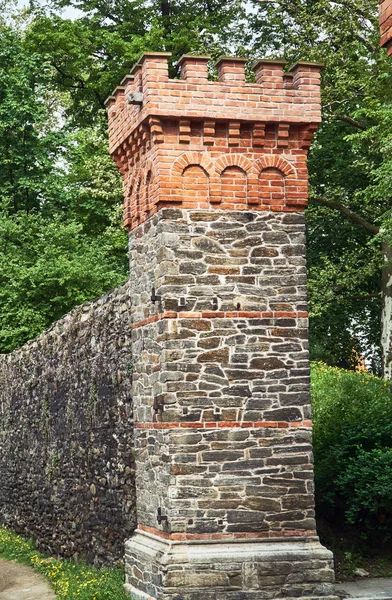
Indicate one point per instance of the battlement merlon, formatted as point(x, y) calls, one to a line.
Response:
point(276, 97)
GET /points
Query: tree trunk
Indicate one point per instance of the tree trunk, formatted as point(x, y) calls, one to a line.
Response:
point(165, 8)
point(166, 14)
point(386, 314)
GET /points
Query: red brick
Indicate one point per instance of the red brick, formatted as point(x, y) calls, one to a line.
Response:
point(236, 131)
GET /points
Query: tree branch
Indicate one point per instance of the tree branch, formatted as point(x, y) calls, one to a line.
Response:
point(100, 100)
point(363, 41)
point(113, 17)
point(349, 120)
point(66, 76)
point(166, 14)
point(357, 297)
point(355, 218)
point(345, 100)
point(355, 9)
point(165, 8)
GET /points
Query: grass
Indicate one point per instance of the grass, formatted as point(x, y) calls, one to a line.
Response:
point(70, 580)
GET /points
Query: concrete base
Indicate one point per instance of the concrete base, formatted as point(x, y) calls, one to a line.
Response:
point(379, 588)
point(159, 569)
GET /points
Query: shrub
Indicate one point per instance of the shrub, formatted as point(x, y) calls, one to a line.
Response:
point(352, 414)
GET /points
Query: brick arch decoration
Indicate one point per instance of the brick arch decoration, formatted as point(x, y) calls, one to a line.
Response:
point(272, 187)
point(276, 162)
point(139, 194)
point(189, 159)
point(249, 167)
point(134, 199)
point(137, 198)
point(234, 187)
point(195, 186)
point(269, 192)
point(199, 159)
point(234, 160)
point(149, 183)
point(129, 187)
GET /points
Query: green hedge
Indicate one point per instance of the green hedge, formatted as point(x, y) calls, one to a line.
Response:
point(352, 415)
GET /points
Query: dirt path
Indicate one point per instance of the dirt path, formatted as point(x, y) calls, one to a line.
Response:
point(18, 582)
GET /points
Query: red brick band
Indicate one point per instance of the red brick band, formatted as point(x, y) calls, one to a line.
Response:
point(227, 536)
point(220, 315)
point(225, 425)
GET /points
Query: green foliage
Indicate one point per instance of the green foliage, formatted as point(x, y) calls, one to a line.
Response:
point(349, 164)
point(55, 161)
point(91, 54)
point(48, 266)
point(69, 579)
point(89, 187)
point(30, 142)
point(343, 286)
point(367, 481)
point(61, 241)
point(352, 413)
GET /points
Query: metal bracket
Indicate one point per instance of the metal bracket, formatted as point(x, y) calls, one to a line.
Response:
point(160, 516)
point(214, 303)
point(154, 297)
point(135, 98)
point(159, 403)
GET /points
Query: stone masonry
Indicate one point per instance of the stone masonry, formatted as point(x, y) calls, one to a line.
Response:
point(66, 435)
point(215, 184)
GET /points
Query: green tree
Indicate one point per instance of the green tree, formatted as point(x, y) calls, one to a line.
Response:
point(348, 218)
point(30, 140)
point(91, 54)
point(350, 170)
point(48, 266)
point(352, 415)
point(60, 200)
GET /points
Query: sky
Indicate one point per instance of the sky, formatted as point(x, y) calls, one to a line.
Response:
point(67, 13)
point(73, 13)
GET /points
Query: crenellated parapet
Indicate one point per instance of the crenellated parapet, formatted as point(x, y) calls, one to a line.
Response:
point(243, 144)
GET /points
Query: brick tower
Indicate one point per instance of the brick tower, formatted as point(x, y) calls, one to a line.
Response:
point(215, 184)
point(385, 20)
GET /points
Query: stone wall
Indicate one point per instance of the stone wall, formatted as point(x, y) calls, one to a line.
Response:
point(222, 409)
point(66, 433)
point(230, 448)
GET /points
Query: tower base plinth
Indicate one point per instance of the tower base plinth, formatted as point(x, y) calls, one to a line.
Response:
point(162, 569)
